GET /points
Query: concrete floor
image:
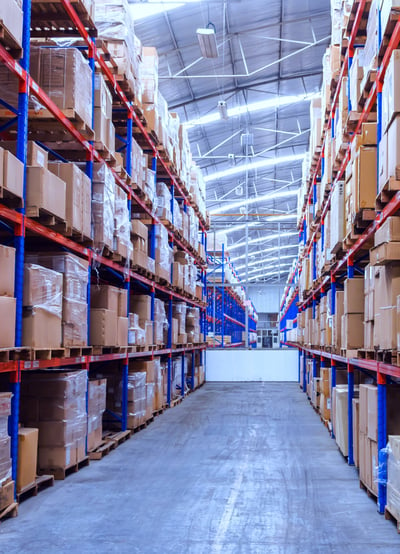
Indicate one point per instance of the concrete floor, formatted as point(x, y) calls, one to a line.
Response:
point(236, 468)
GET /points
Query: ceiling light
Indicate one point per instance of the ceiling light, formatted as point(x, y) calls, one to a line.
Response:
point(270, 162)
point(223, 110)
point(273, 259)
point(264, 239)
point(272, 103)
point(263, 198)
point(208, 41)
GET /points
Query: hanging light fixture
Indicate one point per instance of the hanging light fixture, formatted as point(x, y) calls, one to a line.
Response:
point(208, 41)
point(223, 110)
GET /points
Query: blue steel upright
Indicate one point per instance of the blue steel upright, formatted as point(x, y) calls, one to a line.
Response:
point(19, 238)
point(382, 436)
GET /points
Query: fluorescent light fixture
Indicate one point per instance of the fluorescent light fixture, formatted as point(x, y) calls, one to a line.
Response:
point(266, 251)
point(266, 269)
point(272, 103)
point(282, 273)
point(256, 199)
point(270, 162)
point(223, 110)
point(208, 42)
point(273, 259)
point(265, 239)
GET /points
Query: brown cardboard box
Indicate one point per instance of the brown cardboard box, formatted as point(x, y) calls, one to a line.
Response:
point(13, 174)
point(389, 232)
point(352, 331)
point(385, 253)
point(341, 420)
point(175, 329)
point(94, 438)
point(7, 270)
point(12, 17)
point(57, 456)
point(6, 495)
point(122, 331)
point(141, 305)
point(74, 324)
point(27, 456)
point(354, 296)
point(42, 287)
point(356, 430)
point(362, 456)
point(387, 328)
point(325, 371)
point(372, 432)
point(46, 191)
point(122, 303)
point(139, 229)
point(41, 328)
point(103, 327)
point(75, 183)
point(363, 182)
point(36, 155)
point(105, 297)
point(149, 332)
point(386, 285)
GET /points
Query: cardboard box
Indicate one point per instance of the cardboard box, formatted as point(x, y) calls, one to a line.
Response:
point(103, 327)
point(122, 303)
point(388, 232)
point(393, 150)
point(95, 438)
point(46, 191)
point(352, 331)
point(7, 322)
point(122, 331)
point(13, 174)
point(363, 182)
point(6, 495)
point(57, 456)
point(354, 296)
point(139, 229)
point(385, 253)
point(141, 305)
point(27, 456)
point(356, 430)
point(341, 419)
point(42, 288)
point(390, 98)
point(105, 297)
point(7, 270)
point(372, 426)
point(12, 17)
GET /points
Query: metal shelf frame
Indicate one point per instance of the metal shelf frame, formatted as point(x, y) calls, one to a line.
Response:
point(348, 265)
point(19, 223)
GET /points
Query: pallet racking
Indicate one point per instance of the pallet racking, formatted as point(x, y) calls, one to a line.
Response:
point(72, 20)
point(226, 308)
point(356, 257)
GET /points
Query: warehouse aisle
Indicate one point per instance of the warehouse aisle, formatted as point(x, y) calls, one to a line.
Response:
point(236, 468)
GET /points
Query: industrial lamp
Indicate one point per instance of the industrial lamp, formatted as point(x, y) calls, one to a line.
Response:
point(208, 41)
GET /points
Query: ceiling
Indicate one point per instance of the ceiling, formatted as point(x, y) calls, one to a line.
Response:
point(267, 50)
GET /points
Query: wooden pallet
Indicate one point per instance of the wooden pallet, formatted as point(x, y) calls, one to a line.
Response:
point(102, 350)
point(14, 354)
point(366, 354)
point(46, 353)
point(46, 218)
point(386, 194)
point(44, 127)
point(158, 412)
point(101, 450)
point(176, 401)
point(387, 33)
point(105, 153)
point(117, 438)
point(139, 427)
point(347, 353)
point(369, 492)
point(49, 18)
point(60, 473)
point(78, 351)
point(391, 517)
point(10, 511)
point(386, 356)
point(42, 482)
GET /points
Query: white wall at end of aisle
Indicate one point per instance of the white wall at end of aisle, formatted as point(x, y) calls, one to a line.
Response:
point(266, 299)
point(252, 365)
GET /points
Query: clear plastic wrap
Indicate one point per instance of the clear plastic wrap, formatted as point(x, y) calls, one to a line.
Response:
point(193, 325)
point(393, 475)
point(148, 184)
point(64, 74)
point(164, 253)
point(103, 203)
point(122, 226)
point(179, 313)
point(5, 459)
point(161, 324)
point(114, 21)
point(177, 219)
point(74, 299)
point(136, 333)
point(150, 388)
point(43, 289)
point(136, 399)
point(97, 393)
point(163, 202)
point(56, 405)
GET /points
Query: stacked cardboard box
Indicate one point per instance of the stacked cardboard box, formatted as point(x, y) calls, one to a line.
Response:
point(122, 244)
point(164, 254)
point(393, 477)
point(65, 76)
point(154, 380)
point(369, 294)
point(103, 125)
point(193, 325)
point(109, 320)
point(325, 397)
point(141, 307)
point(7, 300)
point(352, 320)
point(11, 169)
point(42, 301)
point(386, 289)
point(140, 243)
point(6, 485)
point(97, 392)
point(103, 205)
point(74, 297)
point(77, 197)
point(56, 405)
point(137, 399)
